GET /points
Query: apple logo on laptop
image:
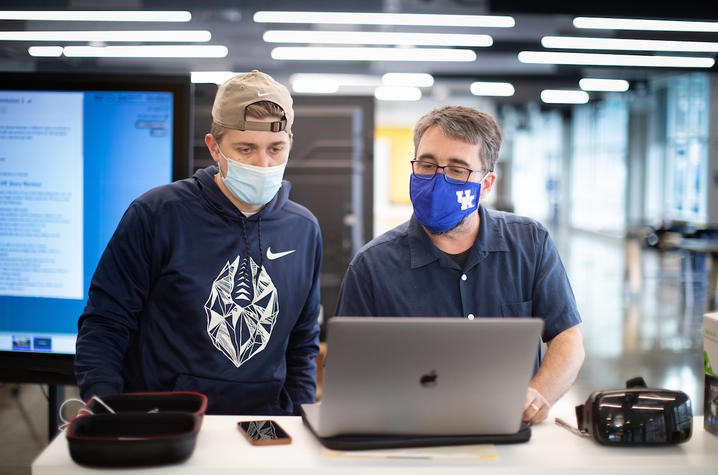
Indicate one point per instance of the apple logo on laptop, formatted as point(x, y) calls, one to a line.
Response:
point(429, 380)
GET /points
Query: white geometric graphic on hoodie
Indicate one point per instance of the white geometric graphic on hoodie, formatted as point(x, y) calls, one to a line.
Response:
point(241, 310)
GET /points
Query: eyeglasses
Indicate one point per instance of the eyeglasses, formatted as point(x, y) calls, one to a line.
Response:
point(452, 174)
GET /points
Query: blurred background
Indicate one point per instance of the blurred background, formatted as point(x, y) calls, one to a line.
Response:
point(606, 109)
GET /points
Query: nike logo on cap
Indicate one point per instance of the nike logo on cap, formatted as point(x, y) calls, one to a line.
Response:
point(276, 255)
point(262, 94)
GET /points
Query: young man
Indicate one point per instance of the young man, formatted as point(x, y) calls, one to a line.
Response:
point(211, 284)
point(455, 258)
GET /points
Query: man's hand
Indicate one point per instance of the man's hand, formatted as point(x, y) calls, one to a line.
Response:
point(536, 406)
point(558, 370)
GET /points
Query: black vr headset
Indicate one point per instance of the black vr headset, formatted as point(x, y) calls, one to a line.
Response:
point(636, 415)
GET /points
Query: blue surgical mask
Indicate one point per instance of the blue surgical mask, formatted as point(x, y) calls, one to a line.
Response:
point(438, 205)
point(251, 184)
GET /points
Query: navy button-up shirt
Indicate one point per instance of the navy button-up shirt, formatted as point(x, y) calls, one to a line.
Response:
point(513, 270)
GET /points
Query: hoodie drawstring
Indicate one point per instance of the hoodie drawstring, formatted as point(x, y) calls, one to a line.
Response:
point(261, 252)
point(246, 246)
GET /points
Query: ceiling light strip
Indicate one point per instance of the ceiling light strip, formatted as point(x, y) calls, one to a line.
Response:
point(600, 59)
point(99, 15)
point(408, 19)
point(393, 93)
point(351, 80)
point(372, 54)
point(376, 38)
point(492, 88)
point(408, 79)
point(315, 86)
point(183, 36)
point(559, 96)
point(576, 42)
point(641, 24)
point(45, 51)
point(607, 85)
point(171, 51)
point(211, 77)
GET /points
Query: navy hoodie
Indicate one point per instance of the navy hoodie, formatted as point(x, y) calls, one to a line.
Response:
point(190, 295)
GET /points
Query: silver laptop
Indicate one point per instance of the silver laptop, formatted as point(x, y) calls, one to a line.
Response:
point(425, 376)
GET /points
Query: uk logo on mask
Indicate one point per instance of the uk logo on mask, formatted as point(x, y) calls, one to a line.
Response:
point(465, 199)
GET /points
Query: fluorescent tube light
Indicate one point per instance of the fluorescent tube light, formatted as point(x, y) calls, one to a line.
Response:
point(309, 53)
point(351, 80)
point(171, 51)
point(408, 79)
point(601, 59)
point(559, 96)
point(404, 19)
point(639, 24)
point(592, 84)
point(628, 44)
point(99, 15)
point(315, 86)
point(210, 77)
point(45, 51)
point(376, 38)
point(182, 36)
point(482, 88)
point(391, 93)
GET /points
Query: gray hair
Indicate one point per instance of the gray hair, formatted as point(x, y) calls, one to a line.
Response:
point(467, 124)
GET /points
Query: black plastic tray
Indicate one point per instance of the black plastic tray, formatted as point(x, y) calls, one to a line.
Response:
point(193, 403)
point(145, 429)
point(132, 439)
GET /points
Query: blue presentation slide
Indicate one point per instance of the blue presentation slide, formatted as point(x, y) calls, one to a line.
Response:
point(70, 164)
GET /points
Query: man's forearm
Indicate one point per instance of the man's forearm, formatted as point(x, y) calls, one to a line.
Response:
point(560, 366)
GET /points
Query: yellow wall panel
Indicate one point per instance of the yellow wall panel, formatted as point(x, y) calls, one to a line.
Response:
point(402, 151)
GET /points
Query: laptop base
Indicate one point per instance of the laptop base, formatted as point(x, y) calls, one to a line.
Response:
point(382, 441)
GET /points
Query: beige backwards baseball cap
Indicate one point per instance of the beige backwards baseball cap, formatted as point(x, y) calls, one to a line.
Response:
point(233, 97)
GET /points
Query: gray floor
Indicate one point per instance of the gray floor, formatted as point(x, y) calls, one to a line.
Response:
point(649, 326)
point(645, 324)
point(23, 425)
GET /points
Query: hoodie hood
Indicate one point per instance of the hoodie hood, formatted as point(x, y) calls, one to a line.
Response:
point(217, 201)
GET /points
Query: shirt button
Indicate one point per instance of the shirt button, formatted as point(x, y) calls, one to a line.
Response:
point(463, 277)
point(470, 316)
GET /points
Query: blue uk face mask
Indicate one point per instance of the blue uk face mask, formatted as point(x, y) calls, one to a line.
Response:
point(439, 205)
point(251, 184)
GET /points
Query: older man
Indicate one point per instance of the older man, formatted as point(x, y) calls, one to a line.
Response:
point(456, 258)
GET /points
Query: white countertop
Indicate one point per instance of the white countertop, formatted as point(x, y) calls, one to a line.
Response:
point(552, 450)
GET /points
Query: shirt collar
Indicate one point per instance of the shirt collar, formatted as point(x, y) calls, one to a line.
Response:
point(420, 246)
point(491, 234)
point(489, 239)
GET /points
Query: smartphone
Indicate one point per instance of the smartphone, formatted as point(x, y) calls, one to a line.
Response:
point(265, 432)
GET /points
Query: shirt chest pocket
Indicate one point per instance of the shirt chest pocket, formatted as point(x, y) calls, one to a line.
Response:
point(517, 309)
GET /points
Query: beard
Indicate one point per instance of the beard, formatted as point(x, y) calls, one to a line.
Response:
point(455, 229)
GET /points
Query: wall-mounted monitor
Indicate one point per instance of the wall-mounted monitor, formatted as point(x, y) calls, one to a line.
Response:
point(75, 150)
